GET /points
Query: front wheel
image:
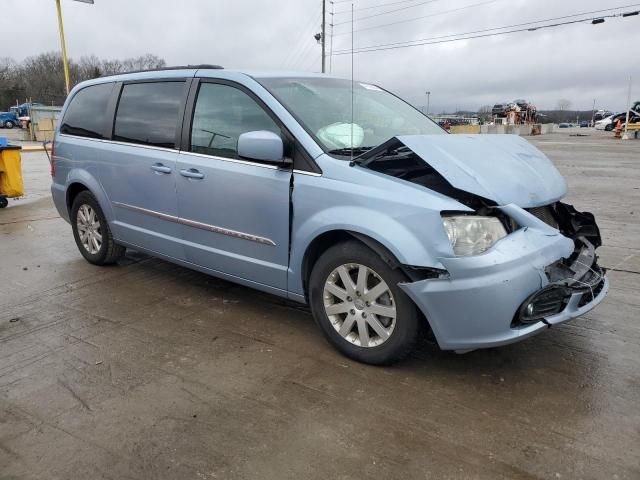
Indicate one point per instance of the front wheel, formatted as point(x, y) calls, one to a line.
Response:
point(8, 124)
point(91, 231)
point(356, 301)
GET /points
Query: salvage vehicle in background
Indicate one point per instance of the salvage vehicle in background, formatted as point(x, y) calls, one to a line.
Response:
point(499, 109)
point(622, 117)
point(372, 215)
point(9, 120)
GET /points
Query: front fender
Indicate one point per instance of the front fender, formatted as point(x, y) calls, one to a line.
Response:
point(405, 244)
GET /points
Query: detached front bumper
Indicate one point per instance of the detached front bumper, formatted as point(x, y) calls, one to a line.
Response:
point(476, 305)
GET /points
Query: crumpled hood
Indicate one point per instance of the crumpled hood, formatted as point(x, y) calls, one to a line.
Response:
point(503, 168)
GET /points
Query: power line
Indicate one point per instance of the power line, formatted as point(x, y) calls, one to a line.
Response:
point(388, 11)
point(380, 5)
point(310, 26)
point(553, 19)
point(303, 55)
point(478, 34)
point(421, 17)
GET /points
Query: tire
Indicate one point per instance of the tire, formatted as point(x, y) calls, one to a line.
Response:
point(9, 124)
point(4, 202)
point(92, 233)
point(387, 339)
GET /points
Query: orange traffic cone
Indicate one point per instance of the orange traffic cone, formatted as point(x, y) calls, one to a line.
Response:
point(618, 129)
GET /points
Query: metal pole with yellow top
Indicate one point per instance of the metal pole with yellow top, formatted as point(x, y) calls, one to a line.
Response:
point(63, 43)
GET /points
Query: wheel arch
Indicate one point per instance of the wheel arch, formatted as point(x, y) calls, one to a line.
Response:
point(328, 239)
point(80, 180)
point(72, 192)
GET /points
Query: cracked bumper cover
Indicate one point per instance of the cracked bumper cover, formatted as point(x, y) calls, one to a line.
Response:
point(475, 306)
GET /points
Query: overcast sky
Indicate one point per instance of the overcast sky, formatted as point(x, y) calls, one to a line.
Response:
point(579, 62)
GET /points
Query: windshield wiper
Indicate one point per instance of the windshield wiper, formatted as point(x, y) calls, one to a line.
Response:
point(345, 152)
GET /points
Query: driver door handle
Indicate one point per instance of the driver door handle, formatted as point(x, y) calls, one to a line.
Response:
point(160, 168)
point(192, 173)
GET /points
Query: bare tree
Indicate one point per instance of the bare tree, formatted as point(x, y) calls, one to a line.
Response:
point(10, 88)
point(564, 104)
point(484, 113)
point(41, 77)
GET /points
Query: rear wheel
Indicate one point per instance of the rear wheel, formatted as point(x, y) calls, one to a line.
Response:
point(92, 233)
point(356, 301)
point(8, 124)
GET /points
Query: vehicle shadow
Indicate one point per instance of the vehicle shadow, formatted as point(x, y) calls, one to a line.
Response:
point(246, 308)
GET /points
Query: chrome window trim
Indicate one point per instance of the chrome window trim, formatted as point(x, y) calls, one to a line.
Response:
point(200, 225)
point(124, 144)
point(233, 160)
point(305, 172)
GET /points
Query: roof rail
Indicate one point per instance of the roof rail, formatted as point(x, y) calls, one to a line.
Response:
point(176, 67)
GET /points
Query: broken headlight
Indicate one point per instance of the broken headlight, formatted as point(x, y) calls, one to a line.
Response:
point(472, 234)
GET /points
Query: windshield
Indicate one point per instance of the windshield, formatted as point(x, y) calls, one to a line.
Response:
point(323, 107)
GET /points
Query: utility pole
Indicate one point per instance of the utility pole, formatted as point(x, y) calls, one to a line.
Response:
point(332, 13)
point(428, 98)
point(324, 15)
point(626, 124)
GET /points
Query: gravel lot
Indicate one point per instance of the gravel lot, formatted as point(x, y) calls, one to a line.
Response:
point(149, 370)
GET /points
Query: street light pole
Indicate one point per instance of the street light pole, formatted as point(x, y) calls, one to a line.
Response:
point(63, 44)
point(428, 98)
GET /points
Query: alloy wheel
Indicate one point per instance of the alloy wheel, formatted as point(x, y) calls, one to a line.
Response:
point(89, 229)
point(359, 305)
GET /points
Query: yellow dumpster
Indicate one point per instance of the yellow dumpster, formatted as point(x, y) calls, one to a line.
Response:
point(10, 174)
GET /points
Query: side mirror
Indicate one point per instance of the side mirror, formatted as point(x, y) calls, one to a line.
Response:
point(261, 145)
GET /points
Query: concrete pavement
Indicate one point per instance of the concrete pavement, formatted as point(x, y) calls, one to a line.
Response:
point(149, 370)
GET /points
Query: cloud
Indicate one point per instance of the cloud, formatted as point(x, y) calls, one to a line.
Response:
point(579, 62)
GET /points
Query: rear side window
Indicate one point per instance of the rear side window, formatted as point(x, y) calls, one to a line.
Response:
point(85, 116)
point(148, 113)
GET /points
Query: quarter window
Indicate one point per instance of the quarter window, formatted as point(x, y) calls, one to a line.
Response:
point(148, 113)
point(222, 113)
point(85, 116)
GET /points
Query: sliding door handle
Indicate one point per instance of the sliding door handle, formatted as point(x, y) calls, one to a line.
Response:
point(192, 173)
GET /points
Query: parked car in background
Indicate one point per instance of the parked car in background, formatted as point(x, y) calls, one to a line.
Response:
point(9, 120)
point(565, 125)
point(384, 224)
point(584, 124)
point(602, 124)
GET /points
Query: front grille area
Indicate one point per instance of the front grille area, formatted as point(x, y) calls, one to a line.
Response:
point(545, 214)
point(591, 294)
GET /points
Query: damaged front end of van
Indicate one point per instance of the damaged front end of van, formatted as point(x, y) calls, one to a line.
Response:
point(519, 260)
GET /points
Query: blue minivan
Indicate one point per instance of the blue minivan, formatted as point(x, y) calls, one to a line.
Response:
point(330, 192)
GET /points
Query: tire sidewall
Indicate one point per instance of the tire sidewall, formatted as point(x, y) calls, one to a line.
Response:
point(405, 332)
point(86, 198)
